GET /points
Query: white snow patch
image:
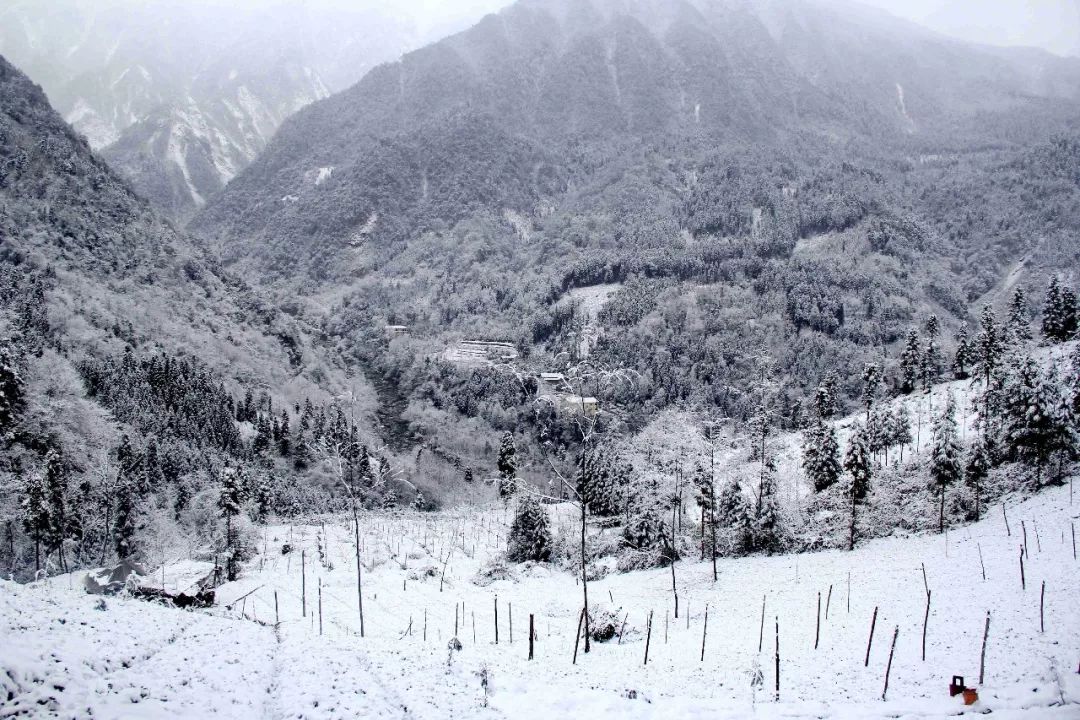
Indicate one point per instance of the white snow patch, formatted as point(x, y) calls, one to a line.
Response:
point(323, 174)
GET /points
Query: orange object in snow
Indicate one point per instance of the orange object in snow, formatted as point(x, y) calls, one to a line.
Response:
point(971, 696)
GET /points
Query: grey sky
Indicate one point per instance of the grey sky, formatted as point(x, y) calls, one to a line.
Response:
point(1050, 24)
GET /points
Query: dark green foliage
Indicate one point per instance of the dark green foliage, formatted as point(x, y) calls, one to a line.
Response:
point(964, 357)
point(530, 536)
point(735, 517)
point(821, 455)
point(858, 463)
point(507, 466)
point(946, 463)
point(768, 528)
point(1036, 421)
point(1059, 321)
point(910, 362)
point(230, 500)
point(11, 390)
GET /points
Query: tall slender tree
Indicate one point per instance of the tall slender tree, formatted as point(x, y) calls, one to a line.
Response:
point(946, 466)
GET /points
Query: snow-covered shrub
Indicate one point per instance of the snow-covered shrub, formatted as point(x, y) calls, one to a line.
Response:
point(604, 621)
point(530, 533)
point(496, 569)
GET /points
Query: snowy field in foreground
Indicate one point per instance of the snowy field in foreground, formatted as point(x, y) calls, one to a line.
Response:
point(60, 656)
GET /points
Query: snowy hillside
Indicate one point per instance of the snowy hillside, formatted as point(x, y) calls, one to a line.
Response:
point(66, 655)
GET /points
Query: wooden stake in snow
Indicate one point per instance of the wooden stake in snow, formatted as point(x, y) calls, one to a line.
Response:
point(622, 629)
point(474, 627)
point(1023, 526)
point(849, 592)
point(704, 630)
point(648, 637)
point(320, 606)
point(510, 611)
point(425, 624)
point(1072, 526)
point(870, 640)
point(277, 617)
point(577, 636)
point(777, 658)
point(828, 601)
point(665, 626)
point(761, 633)
point(532, 634)
point(926, 620)
point(982, 566)
point(303, 583)
point(1006, 516)
point(1023, 581)
point(888, 667)
point(982, 655)
point(817, 627)
point(1042, 606)
point(496, 619)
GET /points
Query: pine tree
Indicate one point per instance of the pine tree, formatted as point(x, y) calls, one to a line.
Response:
point(301, 453)
point(989, 343)
point(419, 502)
point(826, 399)
point(263, 435)
point(1053, 311)
point(1069, 314)
point(229, 503)
point(767, 524)
point(858, 463)
point(910, 363)
point(821, 455)
point(284, 435)
point(153, 478)
point(964, 356)
point(931, 365)
point(945, 464)
point(900, 428)
point(530, 534)
point(126, 523)
point(507, 466)
point(871, 380)
point(35, 514)
point(1074, 389)
point(733, 512)
point(11, 390)
point(1037, 428)
point(1018, 329)
point(976, 469)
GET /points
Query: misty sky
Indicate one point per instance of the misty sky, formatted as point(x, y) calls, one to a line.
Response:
point(1050, 24)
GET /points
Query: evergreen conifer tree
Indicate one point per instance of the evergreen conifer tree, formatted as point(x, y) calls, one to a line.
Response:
point(858, 463)
point(767, 524)
point(229, 503)
point(1019, 324)
point(507, 466)
point(301, 453)
point(11, 390)
point(826, 399)
point(1037, 430)
point(989, 343)
point(871, 380)
point(1053, 311)
point(910, 363)
point(964, 356)
point(946, 466)
point(821, 455)
point(1069, 314)
point(931, 365)
point(734, 513)
point(35, 513)
point(900, 428)
point(285, 435)
point(976, 469)
point(530, 534)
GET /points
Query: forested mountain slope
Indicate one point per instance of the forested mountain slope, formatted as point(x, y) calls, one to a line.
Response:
point(791, 185)
point(134, 371)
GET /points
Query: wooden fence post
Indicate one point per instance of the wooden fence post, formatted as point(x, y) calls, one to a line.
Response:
point(532, 634)
point(888, 668)
point(926, 620)
point(870, 641)
point(704, 630)
point(982, 655)
point(577, 636)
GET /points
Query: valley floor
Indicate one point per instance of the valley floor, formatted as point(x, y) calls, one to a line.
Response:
point(64, 655)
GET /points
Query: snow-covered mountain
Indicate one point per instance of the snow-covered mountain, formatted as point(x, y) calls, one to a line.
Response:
point(181, 96)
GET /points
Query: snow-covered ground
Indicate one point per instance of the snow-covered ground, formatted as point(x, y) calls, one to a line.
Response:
point(60, 655)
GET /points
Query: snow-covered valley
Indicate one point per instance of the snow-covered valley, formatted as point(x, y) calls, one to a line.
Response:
point(70, 654)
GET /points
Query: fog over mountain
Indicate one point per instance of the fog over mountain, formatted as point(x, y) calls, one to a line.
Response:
point(180, 96)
